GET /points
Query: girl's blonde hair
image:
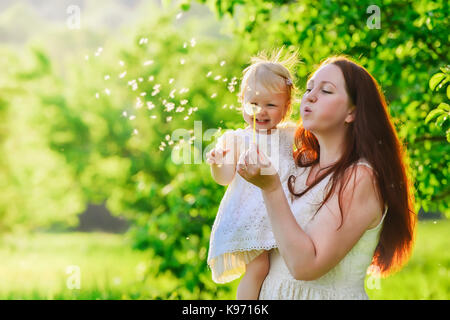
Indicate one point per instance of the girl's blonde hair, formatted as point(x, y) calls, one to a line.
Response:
point(273, 72)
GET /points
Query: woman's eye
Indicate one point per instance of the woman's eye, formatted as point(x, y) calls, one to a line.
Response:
point(308, 90)
point(326, 91)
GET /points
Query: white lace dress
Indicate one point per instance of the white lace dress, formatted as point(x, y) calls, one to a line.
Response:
point(241, 230)
point(345, 281)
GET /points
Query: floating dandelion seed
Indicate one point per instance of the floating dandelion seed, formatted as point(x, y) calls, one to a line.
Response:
point(185, 118)
point(195, 109)
point(107, 77)
point(86, 57)
point(182, 61)
point(193, 42)
point(171, 80)
point(153, 117)
point(123, 74)
point(97, 95)
point(224, 106)
point(151, 78)
point(143, 94)
point(124, 113)
point(209, 74)
point(150, 105)
point(148, 62)
point(163, 143)
point(135, 131)
point(107, 91)
point(168, 119)
point(179, 109)
point(161, 148)
point(217, 77)
point(140, 79)
point(189, 111)
point(185, 45)
point(143, 40)
point(170, 142)
point(214, 95)
point(139, 103)
point(222, 63)
point(156, 86)
point(132, 117)
point(225, 79)
point(179, 15)
point(172, 93)
point(169, 106)
point(183, 90)
point(121, 63)
point(231, 107)
point(99, 51)
point(183, 102)
point(167, 137)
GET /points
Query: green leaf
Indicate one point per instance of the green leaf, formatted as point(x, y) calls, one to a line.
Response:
point(441, 119)
point(448, 92)
point(436, 79)
point(433, 114)
point(444, 106)
point(448, 135)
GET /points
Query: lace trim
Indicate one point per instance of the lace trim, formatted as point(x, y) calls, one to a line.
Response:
point(286, 289)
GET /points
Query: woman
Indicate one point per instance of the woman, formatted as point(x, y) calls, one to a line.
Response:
point(352, 199)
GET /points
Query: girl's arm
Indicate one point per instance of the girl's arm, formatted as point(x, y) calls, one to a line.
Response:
point(224, 158)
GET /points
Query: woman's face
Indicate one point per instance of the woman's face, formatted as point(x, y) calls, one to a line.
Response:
point(326, 106)
point(273, 107)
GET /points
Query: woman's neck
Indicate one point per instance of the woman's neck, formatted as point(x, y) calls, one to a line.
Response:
point(331, 148)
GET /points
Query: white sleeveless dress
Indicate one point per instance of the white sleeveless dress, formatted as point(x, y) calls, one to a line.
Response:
point(345, 281)
point(241, 230)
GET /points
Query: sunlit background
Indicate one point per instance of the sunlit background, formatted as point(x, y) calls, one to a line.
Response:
point(101, 100)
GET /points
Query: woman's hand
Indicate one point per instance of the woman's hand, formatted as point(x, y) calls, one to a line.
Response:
point(255, 167)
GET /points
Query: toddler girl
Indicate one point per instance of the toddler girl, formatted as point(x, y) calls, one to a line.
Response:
point(241, 235)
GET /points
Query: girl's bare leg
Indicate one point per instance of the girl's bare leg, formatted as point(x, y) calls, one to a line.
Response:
point(251, 282)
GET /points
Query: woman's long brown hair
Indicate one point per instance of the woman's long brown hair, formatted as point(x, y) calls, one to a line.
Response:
point(371, 136)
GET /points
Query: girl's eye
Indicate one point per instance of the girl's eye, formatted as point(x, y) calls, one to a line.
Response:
point(271, 105)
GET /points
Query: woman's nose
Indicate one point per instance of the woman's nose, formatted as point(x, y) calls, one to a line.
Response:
point(311, 96)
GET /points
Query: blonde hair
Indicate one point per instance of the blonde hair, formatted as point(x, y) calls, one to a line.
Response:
point(272, 71)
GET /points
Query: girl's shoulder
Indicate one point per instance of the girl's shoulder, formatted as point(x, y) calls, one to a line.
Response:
point(288, 128)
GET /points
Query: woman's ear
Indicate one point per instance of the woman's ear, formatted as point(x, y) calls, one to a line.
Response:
point(351, 115)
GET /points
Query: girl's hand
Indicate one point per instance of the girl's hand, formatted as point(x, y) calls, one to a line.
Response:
point(216, 156)
point(255, 167)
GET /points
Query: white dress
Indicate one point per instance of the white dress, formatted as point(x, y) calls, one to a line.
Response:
point(241, 230)
point(345, 281)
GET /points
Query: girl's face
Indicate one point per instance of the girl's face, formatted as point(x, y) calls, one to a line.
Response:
point(273, 107)
point(326, 106)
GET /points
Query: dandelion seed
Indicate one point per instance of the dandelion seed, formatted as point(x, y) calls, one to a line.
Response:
point(184, 90)
point(182, 61)
point(135, 131)
point(185, 118)
point(148, 62)
point(86, 57)
point(123, 74)
point(185, 45)
point(124, 113)
point(172, 93)
point(222, 63)
point(189, 111)
point(153, 117)
point(183, 102)
point(121, 63)
point(151, 78)
point(168, 119)
point(150, 105)
point(217, 77)
point(132, 117)
point(161, 148)
point(156, 86)
point(225, 80)
point(107, 77)
point(99, 51)
point(195, 109)
point(179, 15)
point(171, 80)
point(170, 106)
point(107, 91)
point(209, 74)
point(163, 143)
point(143, 94)
point(170, 142)
point(231, 107)
point(214, 95)
point(135, 87)
point(167, 137)
point(224, 106)
point(143, 40)
point(97, 95)
point(179, 109)
point(193, 42)
point(140, 79)
point(139, 103)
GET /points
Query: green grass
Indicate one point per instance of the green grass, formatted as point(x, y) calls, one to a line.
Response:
point(34, 267)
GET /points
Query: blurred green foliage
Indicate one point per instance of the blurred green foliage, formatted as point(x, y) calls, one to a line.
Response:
point(94, 133)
